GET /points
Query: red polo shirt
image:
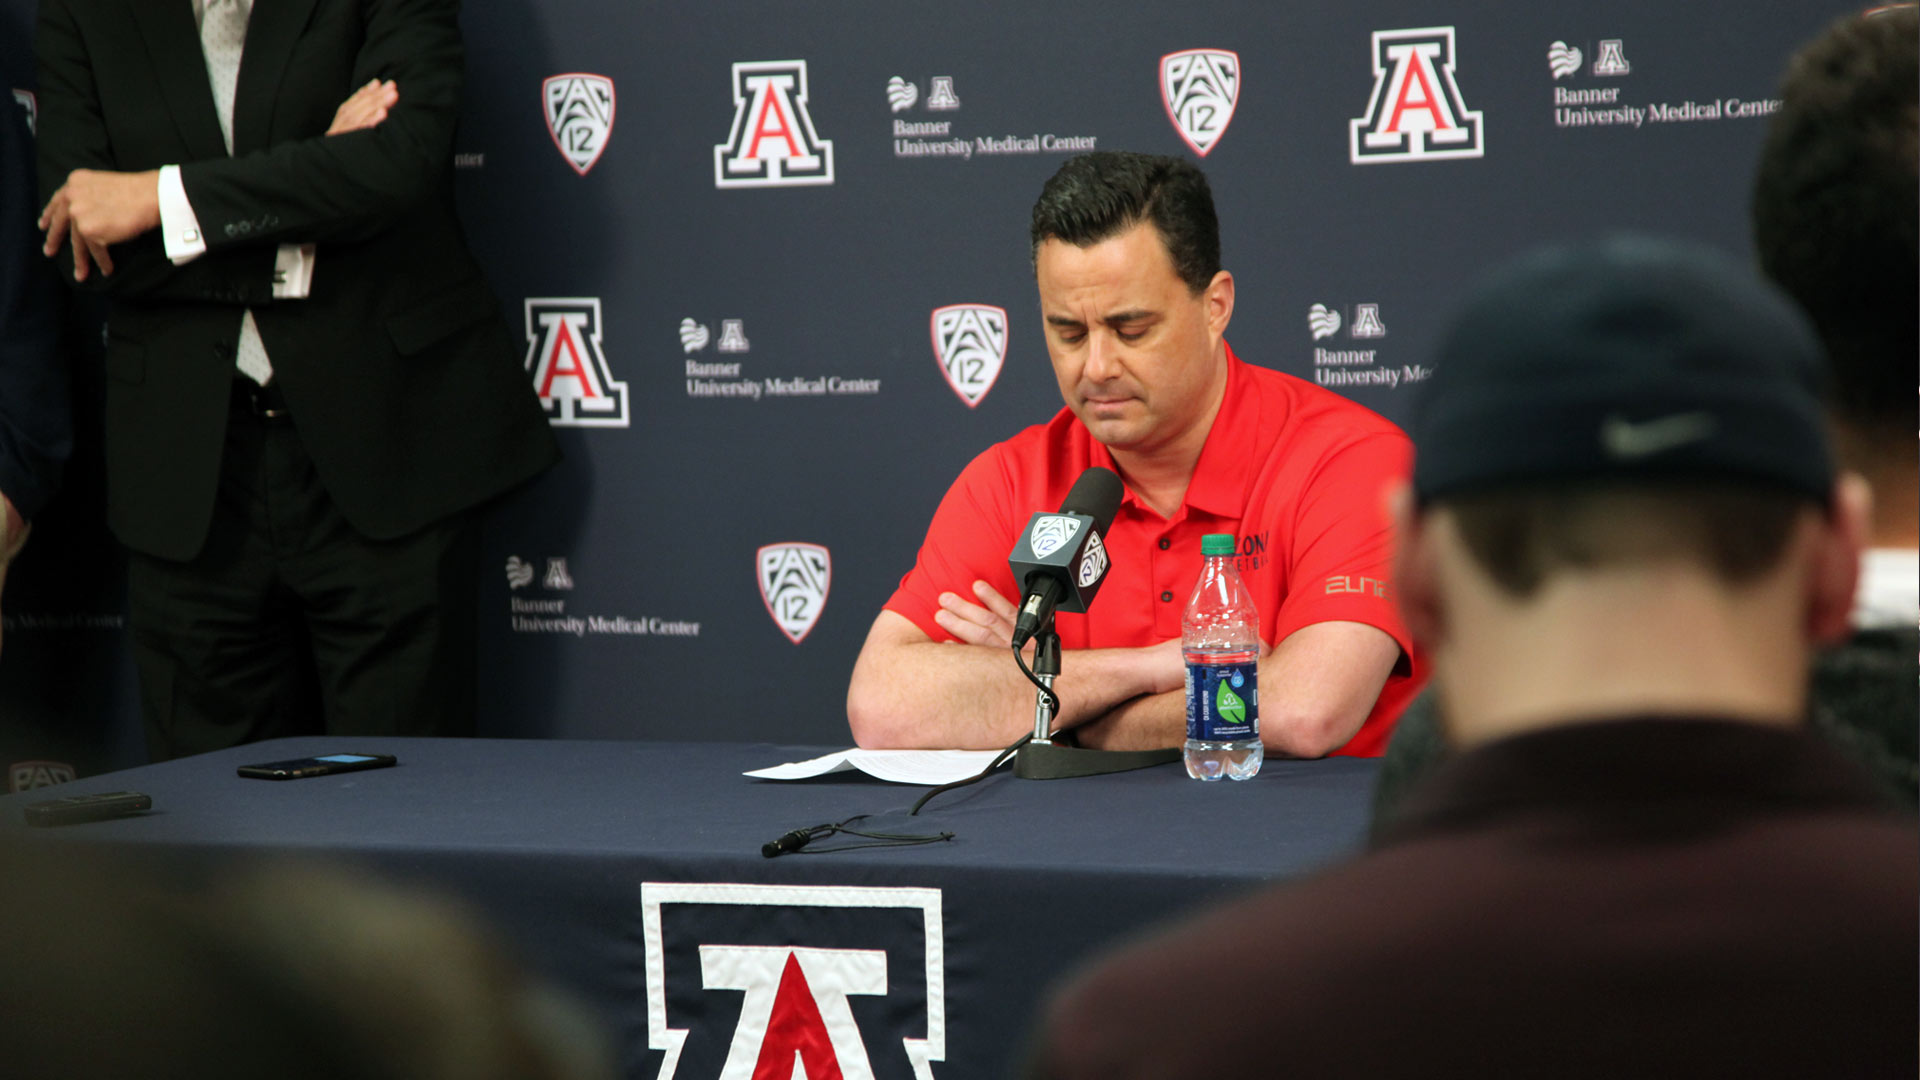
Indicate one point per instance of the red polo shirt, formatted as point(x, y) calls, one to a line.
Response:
point(1295, 472)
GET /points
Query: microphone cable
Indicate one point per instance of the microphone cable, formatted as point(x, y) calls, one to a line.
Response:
point(795, 842)
point(1005, 755)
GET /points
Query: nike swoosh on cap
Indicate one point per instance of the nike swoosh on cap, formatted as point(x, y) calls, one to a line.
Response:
point(1625, 440)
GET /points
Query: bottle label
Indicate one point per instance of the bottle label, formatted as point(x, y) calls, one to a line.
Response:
point(1223, 702)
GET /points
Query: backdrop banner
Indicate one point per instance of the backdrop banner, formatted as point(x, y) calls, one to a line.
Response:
point(769, 266)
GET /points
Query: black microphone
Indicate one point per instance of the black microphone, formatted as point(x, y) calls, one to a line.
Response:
point(1060, 559)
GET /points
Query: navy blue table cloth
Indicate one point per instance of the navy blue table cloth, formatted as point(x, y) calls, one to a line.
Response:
point(631, 872)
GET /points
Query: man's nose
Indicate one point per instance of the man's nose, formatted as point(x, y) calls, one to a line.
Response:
point(1103, 358)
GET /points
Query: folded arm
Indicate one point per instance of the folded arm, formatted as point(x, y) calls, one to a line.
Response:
point(909, 690)
point(1316, 688)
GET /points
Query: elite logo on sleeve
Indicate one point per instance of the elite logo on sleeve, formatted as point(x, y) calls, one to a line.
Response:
point(1200, 87)
point(568, 367)
point(970, 344)
point(773, 142)
point(794, 581)
point(579, 111)
point(1416, 112)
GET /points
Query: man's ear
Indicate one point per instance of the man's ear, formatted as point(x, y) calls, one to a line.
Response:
point(1414, 577)
point(1218, 297)
point(1834, 576)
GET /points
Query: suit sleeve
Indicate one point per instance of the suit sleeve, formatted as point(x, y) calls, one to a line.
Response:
point(36, 415)
point(966, 542)
point(346, 188)
point(73, 135)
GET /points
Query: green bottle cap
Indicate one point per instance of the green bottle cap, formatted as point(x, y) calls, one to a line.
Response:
point(1216, 544)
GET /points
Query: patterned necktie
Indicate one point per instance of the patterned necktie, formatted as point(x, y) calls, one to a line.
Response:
point(223, 32)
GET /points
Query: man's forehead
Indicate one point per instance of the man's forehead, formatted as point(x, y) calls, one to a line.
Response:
point(1134, 263)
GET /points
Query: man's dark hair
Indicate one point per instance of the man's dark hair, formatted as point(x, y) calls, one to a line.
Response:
point(1834, 209)
point(1521, 537)
point(1098, 196)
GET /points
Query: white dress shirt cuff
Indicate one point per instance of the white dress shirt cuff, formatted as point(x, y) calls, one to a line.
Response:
point(293, 271)
point(179, 228)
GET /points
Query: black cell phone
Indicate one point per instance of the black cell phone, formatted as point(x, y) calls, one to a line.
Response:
point(324, 765)
point(75, 809)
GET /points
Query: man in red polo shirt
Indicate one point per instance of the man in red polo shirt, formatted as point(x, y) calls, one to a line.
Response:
point(1126, 252)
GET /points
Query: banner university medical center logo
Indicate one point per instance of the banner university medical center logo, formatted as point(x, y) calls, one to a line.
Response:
point(579, 116)
point(568, 367)
point(1416, 112)
point(795, 1019)
point(1200, 87)
point(794, 581)
point(772, 143)
point(970, 342)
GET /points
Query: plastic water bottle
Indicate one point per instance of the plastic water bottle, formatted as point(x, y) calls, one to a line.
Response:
point(1220, 636)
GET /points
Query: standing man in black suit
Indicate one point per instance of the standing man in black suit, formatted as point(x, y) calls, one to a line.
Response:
point(310, 386)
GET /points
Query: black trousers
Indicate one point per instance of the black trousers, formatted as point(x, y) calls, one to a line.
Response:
point(291, 623)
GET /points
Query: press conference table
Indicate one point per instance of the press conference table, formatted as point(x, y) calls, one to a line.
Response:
point(631, 873)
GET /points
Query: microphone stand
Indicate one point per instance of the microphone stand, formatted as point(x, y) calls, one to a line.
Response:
point(1042, 758)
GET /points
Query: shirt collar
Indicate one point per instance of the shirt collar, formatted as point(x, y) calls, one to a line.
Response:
point(1889, 593)
point(1227, 459)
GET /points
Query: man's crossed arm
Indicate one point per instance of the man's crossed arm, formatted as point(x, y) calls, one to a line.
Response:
point(97, 208)
point(1317, 685)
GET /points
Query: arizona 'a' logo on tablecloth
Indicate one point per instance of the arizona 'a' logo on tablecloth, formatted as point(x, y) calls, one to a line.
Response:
point(1416, 112)
point(568, 367)
point(970, 343)
point(794, 580)
point(772, 143)
point(790, 958)
point(1200, 87)
point(579, 116)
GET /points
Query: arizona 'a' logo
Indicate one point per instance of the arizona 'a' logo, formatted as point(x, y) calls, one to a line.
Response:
point(579, 116)
point(1051, 533)
point(796, 959)
point(794, 581)
point(569, 368)
point(772, 142)
point(1200, 88)
point(1416, 112)
point(970, 342)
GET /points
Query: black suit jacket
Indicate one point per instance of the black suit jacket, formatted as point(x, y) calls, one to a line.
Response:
point(36, 419)
point(403, 382)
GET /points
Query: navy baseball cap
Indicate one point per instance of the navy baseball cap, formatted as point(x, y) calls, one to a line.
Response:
point(1630, 360)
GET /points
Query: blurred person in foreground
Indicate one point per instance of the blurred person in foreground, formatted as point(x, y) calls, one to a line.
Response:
point(1836, 225)
point(119, 970)
point(1625, 537)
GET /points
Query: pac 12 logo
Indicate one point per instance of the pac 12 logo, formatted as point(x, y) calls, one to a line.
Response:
point(773, 142)
point(794, 958)
point(1200, 87)
point(568, 366)
point(970, 344)
point(579, 112)
point(1416, 112)
point(794, 581)
point(1050, 533)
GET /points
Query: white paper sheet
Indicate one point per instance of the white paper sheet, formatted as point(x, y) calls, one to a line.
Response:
point(897, 766)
